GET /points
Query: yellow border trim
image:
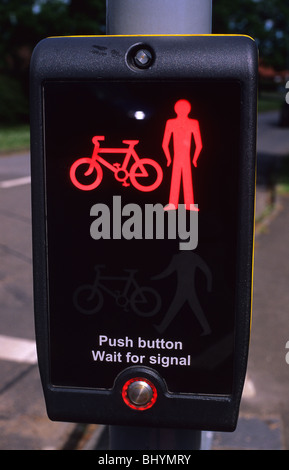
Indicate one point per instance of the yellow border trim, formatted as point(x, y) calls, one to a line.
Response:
point(153, 35)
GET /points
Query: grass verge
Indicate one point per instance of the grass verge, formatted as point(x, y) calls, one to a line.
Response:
point(14, 139)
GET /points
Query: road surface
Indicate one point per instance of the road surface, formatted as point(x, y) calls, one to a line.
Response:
point(23, 421)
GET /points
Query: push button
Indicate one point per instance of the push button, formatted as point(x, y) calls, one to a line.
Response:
point(139, 394)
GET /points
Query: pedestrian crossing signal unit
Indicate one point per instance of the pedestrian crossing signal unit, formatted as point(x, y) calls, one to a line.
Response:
point(143, 186)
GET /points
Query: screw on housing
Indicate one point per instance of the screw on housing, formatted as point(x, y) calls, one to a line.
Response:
point(143, 58)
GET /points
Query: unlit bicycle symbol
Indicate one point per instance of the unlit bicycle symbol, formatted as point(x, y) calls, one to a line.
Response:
point(143, 301)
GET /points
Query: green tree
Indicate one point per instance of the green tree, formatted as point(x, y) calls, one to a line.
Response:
point(23, 23)
point(267, 21)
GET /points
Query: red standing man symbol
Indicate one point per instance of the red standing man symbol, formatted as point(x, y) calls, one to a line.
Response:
point(182, 129)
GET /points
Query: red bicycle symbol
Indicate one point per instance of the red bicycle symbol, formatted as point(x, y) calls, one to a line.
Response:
point(145, 174)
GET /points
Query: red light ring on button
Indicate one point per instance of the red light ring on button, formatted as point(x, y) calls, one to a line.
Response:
point(132, 405)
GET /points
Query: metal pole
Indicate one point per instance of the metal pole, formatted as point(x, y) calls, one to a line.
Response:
point(159, 17)
point(125, 17)
point(143, 438)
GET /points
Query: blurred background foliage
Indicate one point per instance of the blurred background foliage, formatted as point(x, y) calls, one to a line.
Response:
point(267, 21)
point(23, 23)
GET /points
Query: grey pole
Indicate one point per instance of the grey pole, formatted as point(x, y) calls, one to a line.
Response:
point(125, 17)
point(159, 17)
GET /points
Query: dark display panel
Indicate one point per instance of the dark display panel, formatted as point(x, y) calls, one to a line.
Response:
point(121, 291)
